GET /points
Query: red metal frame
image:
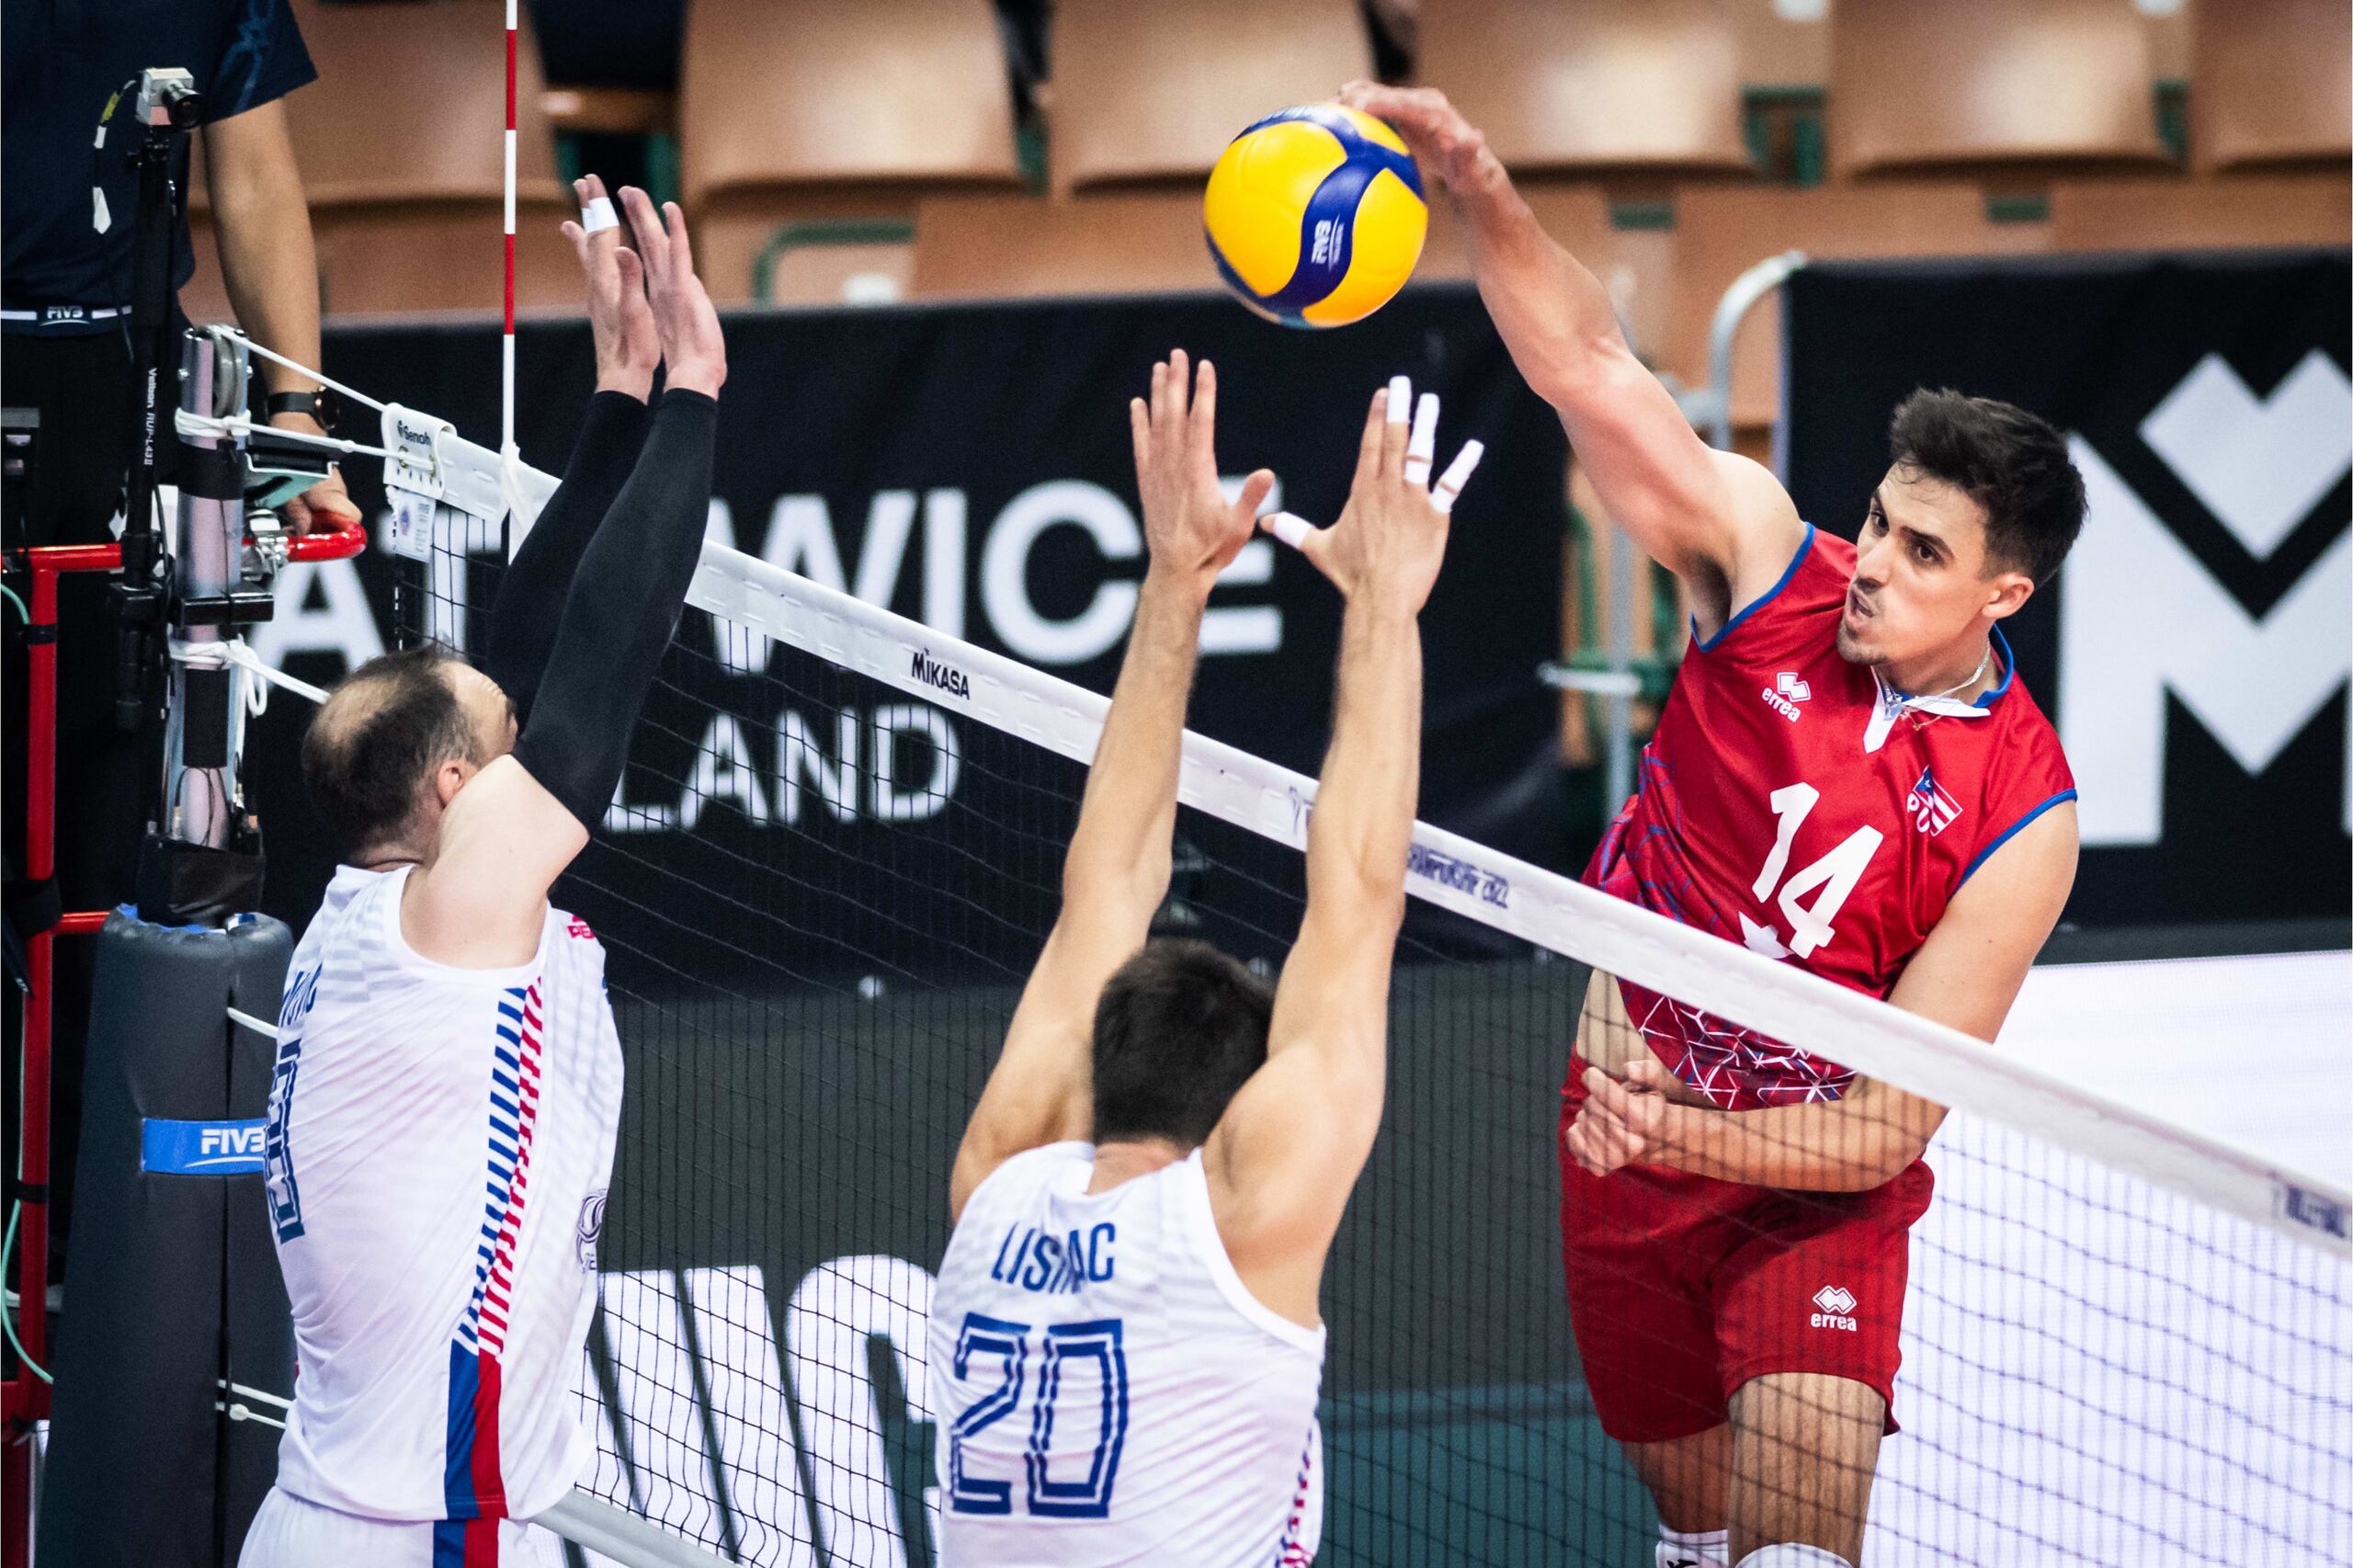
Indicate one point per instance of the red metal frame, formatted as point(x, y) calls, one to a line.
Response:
point(24, 1399)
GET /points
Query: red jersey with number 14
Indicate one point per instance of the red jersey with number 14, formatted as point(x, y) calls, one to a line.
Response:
point(1790, 804)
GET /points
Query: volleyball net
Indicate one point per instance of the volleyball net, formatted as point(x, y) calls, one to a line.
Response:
point(831, 863)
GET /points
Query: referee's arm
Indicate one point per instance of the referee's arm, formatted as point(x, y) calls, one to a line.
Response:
point(270, 267)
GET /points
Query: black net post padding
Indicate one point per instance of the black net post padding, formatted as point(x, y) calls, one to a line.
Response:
point(175, 1283)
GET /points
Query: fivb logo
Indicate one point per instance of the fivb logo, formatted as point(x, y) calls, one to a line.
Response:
point(2140, 617)
point(201, 1148)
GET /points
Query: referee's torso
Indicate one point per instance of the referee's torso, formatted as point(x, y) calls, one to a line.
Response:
point(69, 199)
point(439, 1144)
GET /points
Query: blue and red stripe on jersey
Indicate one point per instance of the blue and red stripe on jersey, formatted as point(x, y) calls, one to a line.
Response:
point(473, 1486)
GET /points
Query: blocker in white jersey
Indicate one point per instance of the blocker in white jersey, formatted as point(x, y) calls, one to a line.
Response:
point(439, 1143)
point(1127, 1340)
point(1097, 1363)
point(448, 1080)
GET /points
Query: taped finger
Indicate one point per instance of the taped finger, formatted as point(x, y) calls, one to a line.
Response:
point(1289, 527)
point(1457, 476)
point(1421, 449)
point(598, 215)
point(1401, 398)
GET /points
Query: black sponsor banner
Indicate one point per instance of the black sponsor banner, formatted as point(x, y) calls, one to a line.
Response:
point(970, 467)
point(2195, 649)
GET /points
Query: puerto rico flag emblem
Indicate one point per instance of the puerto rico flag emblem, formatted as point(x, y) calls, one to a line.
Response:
point(1932, 810)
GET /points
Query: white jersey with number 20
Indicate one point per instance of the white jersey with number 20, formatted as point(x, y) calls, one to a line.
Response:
point(1107, 1391)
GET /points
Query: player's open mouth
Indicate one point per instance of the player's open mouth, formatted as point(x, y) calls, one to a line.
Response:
point(1856, 609)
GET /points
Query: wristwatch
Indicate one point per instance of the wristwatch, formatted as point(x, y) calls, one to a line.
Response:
point(315, 404)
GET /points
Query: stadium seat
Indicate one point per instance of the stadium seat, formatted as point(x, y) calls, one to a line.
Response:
point(1996, 85)
point(2248, 210)
point(802, 113)
point(1632, 264)
point(2168, 33)
point(1138, 242)
point(1023, 246)
point(1604, 86)
point(2274, 84)
point(400, 142)
point(1774, 50)
point(1149, 94)
point(1721, 233)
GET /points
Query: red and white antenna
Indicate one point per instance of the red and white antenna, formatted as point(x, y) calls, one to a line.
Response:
point(506, 377)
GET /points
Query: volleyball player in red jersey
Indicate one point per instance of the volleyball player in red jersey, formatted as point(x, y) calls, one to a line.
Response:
point(1848, 777)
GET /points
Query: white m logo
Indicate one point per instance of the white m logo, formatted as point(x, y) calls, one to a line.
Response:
point(2140, 617)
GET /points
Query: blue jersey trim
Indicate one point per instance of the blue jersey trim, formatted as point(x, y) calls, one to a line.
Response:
point(1988, 698)
point(1708, 644)
point(2011, 832)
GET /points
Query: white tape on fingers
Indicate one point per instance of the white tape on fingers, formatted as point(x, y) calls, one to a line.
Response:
point(1400, 396)
point(1457, 476)
point(599, 215)
point(1289, 527)
point(1421, 447)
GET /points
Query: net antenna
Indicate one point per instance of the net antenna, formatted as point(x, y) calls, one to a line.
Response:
point(509, 459)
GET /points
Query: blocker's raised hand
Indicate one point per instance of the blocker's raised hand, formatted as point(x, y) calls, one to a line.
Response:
point(1391, 536)
point(693, 352)
point(618, 317)
point(1192, 529)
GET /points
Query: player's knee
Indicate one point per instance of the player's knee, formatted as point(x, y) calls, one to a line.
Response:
point(1789, 1554)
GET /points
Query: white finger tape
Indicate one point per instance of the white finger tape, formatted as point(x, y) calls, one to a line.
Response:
point(599, 214)
point(1457, 476)
point(1421, 447)
point(1289, 527)
point(1401, 398)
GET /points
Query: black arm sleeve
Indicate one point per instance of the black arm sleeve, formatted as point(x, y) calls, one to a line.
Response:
point(623, 605)
point(529, 606)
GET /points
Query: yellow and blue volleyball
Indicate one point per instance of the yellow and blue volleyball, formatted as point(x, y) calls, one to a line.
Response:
point(1316, 215)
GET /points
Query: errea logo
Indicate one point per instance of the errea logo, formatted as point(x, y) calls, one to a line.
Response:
point(1784, 695)
point(1837, 1306)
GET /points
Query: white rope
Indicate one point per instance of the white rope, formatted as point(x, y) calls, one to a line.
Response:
point(356, 397)
point(247, 1020)
point(238, 424)
point(247, 1412)
point(234, 652)
point(262, 1394)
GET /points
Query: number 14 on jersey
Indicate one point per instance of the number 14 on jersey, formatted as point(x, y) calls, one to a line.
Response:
point(1835, 875)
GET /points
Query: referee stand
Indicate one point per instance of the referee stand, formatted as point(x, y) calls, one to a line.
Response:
point(171, 1295)
point(176, 1300)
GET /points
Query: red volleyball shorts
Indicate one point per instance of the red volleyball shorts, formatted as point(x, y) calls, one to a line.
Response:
point(1683, 1287)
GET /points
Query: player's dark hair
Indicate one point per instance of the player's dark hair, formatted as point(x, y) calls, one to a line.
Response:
point(1178, 1029)
point(2010, 461)
point(371, 749)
